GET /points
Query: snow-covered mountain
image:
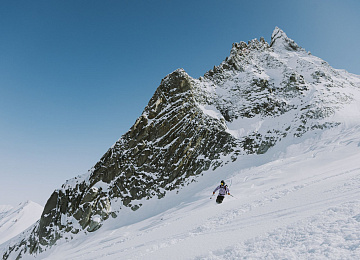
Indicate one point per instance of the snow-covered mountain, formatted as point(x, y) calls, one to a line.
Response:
point(264, 109)
point(299, 201)
point(14, 220)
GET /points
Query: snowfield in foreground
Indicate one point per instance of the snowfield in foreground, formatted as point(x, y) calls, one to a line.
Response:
point(298, 201)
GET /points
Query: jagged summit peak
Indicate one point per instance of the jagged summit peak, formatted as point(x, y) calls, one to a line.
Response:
point(277, 33)
point(279, 40)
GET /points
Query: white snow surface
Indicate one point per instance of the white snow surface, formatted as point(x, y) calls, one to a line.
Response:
point(298, 201)
point(14, 220)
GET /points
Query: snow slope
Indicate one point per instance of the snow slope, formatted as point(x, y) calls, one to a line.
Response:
point(14, 220)
point(298, 201)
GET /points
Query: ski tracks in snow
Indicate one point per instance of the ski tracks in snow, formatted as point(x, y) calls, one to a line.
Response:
point(281, 217)
point(300, 207)
point(332, 234)
point(296, 215)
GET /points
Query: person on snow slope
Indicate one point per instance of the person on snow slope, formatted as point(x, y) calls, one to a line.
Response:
point(223, 190)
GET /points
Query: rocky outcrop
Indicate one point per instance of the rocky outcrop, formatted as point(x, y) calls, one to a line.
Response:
point(160, 152)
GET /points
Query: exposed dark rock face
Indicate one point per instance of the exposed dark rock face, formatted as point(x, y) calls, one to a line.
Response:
point(193, 125)
point(159, 153)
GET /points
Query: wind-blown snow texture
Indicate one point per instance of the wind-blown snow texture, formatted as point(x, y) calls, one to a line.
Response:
point(281, 127)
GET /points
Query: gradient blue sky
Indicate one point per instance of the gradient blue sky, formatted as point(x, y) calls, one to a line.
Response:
point(75, 75)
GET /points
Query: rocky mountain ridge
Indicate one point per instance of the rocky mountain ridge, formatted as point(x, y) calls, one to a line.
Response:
point(259, 95)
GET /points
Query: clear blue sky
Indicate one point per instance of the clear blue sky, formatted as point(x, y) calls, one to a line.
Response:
point(75, 75)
